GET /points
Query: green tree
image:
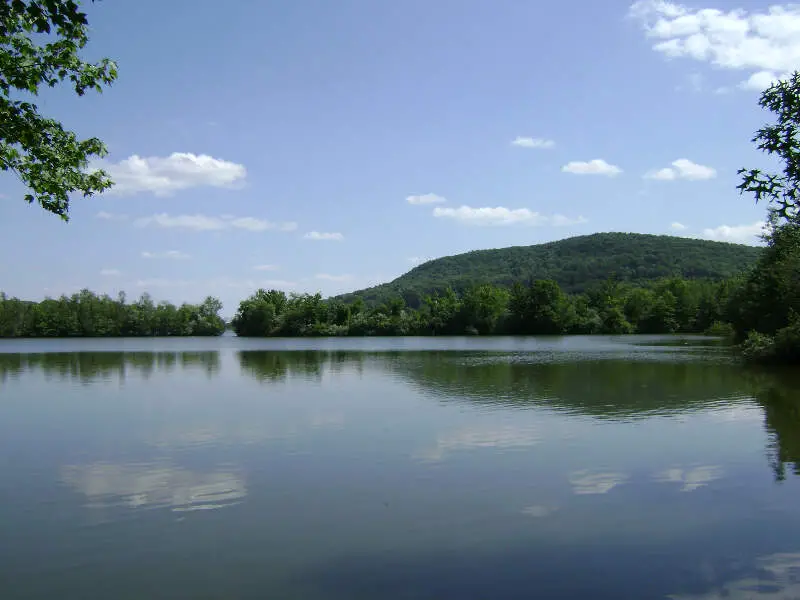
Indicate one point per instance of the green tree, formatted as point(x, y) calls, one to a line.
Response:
point(50, 160)
point(258, 315)
point(781, 139)
point(482, 307)
point(442, 310)
point(769, 302)
point(541, 308)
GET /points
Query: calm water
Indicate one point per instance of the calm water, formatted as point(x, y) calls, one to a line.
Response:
point(395, 469)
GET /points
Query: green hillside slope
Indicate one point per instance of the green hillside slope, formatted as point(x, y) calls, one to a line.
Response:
point(576, 263)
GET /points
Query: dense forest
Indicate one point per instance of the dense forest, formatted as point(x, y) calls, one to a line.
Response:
point(86, 314)
point(576, 264)
point(539, 307)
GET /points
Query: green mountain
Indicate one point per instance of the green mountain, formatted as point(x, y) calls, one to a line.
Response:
point(576, 263)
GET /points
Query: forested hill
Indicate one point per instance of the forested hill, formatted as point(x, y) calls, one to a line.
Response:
point(576, 263)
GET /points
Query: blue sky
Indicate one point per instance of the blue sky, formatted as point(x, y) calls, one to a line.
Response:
point(319, 145)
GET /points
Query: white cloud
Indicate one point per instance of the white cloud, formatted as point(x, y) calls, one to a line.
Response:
point(683, 168)
point(324, 236)
point(675, 226)
point(529, 142)
point(253, 224)
point(196, 222)
point(500, 215)
point(743, 234)
point(170, 254)
point(585, 482)
point(759, 81)
point(164, 176)
point(329, 277)
point(596, 166)
point(426, 199)
point(265, 268)
point(110, 272)
point(562, 221)
point(765, 43)
point(200, 222)
point(107, 216)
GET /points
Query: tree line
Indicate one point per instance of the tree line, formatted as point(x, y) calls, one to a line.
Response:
point(539, 307)
point(86, 314)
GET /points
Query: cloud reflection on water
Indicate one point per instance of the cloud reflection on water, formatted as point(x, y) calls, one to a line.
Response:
point(586, 482)
point(777, 577)
point(160, 485)
point(501, 437)
point(691, 479)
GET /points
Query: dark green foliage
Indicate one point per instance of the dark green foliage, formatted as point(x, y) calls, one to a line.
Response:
point(771, 293)
point(781, 139)
point(576, 264)
point(51, 161)
point(538, 308)
point(765, 309)
point(87, 315)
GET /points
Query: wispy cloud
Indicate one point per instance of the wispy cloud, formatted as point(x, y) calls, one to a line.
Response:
point(201, 222)
point(265, 268)
point(107, 216)
point(110, 272)
point(169, 254)
point(596, 166)
point(321, 236)
point(682, 168)
point(500, 215)
point(329, 277)
point(675, 226)
point(164, 176)
point(742, 234)
point(530, 142)
point(426, 199)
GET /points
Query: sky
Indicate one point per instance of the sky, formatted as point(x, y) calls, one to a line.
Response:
point(311, 145)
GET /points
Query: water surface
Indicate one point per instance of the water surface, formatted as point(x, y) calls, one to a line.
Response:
point(397, 468)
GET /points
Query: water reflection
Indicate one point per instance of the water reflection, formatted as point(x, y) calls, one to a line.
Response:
point(419, 474)
point(608, 389)
point(779, 395)
point(774, 577)
point(505, 438)
point(692, 478)
point(308, 364)
point(90, 366)
point(587, 482)
point(161, 485)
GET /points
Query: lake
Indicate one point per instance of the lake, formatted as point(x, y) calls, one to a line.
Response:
point(396, 468)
